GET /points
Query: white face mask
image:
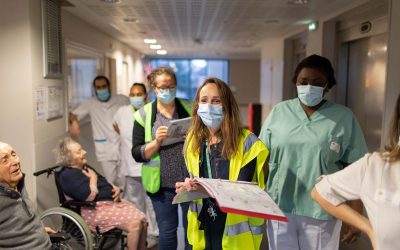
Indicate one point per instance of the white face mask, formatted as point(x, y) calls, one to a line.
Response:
point(310, 95)
point(137, 101)
point(166, 96)
point(211, 115)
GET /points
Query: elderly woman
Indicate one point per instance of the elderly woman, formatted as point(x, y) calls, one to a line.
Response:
point(82, 183)
point(308, 137)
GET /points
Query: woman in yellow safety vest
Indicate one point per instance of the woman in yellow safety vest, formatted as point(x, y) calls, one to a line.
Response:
point(218, 147)
point(163, 164)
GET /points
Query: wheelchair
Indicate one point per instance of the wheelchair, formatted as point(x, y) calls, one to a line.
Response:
point(72, 231)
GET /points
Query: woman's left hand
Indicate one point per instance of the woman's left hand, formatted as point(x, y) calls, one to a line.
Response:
point(116, 192)
point(189, 185)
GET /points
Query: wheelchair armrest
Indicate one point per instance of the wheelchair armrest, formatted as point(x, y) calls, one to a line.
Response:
point(58, 237)
point(73, 203)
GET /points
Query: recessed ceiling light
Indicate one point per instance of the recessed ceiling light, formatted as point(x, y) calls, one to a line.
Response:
point(150, 41)
point(130, 20)
point(298, 2)
point(161, 52)
point(112, 1)
point(271, 21)
point(155, 46)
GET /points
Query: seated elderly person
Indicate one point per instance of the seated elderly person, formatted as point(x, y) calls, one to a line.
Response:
point(20, 227)
point(82, 183)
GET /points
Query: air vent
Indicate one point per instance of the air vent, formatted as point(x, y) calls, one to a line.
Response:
point(52, 43)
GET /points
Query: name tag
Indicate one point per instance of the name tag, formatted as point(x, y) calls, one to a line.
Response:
point(335, 147)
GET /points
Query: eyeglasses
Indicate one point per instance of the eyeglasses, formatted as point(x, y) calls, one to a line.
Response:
point(165, 88)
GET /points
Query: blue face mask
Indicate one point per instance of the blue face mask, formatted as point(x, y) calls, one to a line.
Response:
point(137, 101)
point(166, 96)
point(103, 94)
point(211, 115)
point(310, 95)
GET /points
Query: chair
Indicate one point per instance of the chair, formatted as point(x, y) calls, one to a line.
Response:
point(72, 223)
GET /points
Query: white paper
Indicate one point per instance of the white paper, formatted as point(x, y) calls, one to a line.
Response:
point(243, 197)
point(40, 99)
point(55, 102)
point(177, 130)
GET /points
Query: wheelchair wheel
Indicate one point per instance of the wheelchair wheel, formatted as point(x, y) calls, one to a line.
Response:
point(66, 221)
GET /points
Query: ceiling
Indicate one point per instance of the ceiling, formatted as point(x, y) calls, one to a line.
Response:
point(203, 28)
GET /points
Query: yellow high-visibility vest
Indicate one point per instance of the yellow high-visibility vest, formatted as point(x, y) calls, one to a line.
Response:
point(151, 170)
point(241, 232)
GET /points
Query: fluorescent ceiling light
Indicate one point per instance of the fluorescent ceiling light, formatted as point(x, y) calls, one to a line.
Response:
point(312, 26)
point(150, 41)
point(155, 46)
point(161, 52)
point(130, 20)
point(112, 1)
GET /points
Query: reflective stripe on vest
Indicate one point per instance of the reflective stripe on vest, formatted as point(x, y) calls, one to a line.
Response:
point(247, 230)
point(242, 227)
point(195, 207)
point(248, 143)
point(153, 163)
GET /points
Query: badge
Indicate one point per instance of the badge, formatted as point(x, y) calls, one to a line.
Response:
point(212, 212)
point(335, 147)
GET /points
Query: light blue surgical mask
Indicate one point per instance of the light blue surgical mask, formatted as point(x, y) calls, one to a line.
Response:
point(310, 95)
point(103, 94)
point(137, 101)
point(166, 96)
point(211, 115)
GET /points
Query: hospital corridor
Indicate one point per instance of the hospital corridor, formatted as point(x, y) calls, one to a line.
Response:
point(110, 108)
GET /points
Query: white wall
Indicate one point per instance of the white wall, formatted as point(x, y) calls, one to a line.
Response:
point(244, 77)
point(271, 86)
point(16, 127)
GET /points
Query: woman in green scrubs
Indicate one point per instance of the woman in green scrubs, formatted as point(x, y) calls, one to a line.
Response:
point(308, 137)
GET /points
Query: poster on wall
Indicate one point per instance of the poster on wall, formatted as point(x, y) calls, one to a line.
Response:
point(49, 102)
point(55, 103)
point(40, 100)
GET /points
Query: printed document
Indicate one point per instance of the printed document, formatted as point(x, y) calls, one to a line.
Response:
point(238, 197)
point(177, 130)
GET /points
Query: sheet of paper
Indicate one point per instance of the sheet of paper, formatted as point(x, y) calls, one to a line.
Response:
point(185, 196)
point(243, 196)
point(239, 197)
point(177, 130)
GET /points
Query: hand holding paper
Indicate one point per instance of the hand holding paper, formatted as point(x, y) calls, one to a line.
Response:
point(177, 131)
point(238, 197)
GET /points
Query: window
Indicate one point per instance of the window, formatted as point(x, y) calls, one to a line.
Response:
point(82, 73)
point(191, 73)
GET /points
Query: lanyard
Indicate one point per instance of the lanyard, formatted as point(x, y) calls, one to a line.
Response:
point(208, 161)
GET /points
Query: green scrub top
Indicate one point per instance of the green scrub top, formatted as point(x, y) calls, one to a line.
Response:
point(304, 148)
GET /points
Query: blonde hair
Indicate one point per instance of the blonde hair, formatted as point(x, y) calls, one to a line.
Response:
point(392, 149)
point(231, 127)
point(151, 78)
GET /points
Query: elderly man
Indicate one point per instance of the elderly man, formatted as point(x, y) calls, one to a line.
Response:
point(20, 227)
